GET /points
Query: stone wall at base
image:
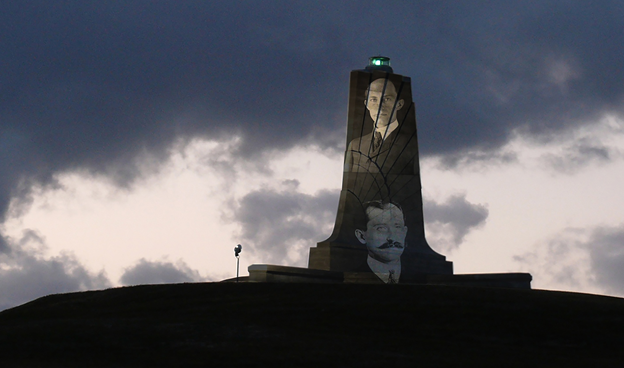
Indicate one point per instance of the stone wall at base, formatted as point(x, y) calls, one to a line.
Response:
point(516, 280)
point(274, 273)
point(285, 274)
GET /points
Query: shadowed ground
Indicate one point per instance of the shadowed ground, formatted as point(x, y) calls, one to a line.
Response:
point(312, 325)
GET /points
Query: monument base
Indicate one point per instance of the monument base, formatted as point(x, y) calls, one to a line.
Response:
point(274, 273)
point(286, 274)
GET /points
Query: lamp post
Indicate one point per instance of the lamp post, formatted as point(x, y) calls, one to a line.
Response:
point(237, 250)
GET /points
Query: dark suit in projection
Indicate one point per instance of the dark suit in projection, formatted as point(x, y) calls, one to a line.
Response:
point(394, 156)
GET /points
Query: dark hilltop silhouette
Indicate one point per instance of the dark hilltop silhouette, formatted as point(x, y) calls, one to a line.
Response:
point(314, 325)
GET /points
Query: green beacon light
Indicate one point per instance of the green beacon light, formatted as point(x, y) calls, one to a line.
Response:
point(381, 63)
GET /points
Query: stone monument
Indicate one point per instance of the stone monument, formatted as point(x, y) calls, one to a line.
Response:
point(379, 226)
point(379, 234)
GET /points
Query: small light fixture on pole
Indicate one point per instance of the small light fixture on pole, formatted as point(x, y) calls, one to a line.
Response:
point(237, 250)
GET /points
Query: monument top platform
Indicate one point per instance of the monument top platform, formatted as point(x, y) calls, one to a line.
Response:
point(379, 63)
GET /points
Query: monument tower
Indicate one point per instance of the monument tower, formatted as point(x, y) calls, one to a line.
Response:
point(379, 225)
point(379, 234)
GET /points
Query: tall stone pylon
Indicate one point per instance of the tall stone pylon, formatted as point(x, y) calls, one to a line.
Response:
point(379, 226)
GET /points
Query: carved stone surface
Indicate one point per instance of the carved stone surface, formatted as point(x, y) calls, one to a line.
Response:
point(379, 226)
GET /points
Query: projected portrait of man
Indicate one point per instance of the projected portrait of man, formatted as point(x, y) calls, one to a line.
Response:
point(384, 236)
point(382, 149)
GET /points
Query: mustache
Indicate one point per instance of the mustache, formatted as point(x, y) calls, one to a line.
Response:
point(391, 244)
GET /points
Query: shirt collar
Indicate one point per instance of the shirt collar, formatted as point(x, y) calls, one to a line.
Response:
point(382, 270)
point(390, 128)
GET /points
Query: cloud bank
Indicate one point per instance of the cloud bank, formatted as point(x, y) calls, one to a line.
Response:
point(26, 274)
point(279, 226)
point(448, 223)
point(582, 258)
point(147, 272)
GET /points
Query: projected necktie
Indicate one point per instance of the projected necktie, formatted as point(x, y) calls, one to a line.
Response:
point(377, 141)
point(391, 279)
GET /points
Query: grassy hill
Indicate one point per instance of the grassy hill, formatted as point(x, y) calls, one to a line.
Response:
point(312, 325)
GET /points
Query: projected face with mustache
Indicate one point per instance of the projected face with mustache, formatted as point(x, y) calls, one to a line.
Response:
point(385, 233)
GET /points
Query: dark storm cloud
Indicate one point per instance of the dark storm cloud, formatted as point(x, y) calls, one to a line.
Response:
point(448, 223)
point(579, 154)
point(276, 222)
point(477, 159)
point(533, 67)
point(25, 274)
point(146, 272)
point(90, 85)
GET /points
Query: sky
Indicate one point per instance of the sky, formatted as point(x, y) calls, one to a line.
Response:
point(141, 141)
